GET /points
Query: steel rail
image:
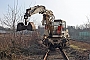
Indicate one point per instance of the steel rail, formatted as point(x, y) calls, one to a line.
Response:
point(65, 57)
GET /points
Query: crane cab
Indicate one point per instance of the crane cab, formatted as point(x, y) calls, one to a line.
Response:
point(58, 37)
point(59, 28)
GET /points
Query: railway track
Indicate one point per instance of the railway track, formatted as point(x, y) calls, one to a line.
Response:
point(65, 54)
point(58, 54)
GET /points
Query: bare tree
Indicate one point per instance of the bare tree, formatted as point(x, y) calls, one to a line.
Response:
point(85, 25)
point(12, 17)
point(88, 22)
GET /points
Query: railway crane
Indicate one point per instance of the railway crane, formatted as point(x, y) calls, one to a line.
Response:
point(55, 34)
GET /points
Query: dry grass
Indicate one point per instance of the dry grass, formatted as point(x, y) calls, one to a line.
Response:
point(7, 40)
point(81, 45)
point(20, 45)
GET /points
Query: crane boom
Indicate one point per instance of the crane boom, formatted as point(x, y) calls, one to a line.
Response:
point(47, 14)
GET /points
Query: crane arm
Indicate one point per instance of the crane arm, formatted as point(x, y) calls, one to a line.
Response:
point(34, 10)
point(41, 10)
point(48, 18)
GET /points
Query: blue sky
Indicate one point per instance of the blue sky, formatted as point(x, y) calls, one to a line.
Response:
point(74, 12)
